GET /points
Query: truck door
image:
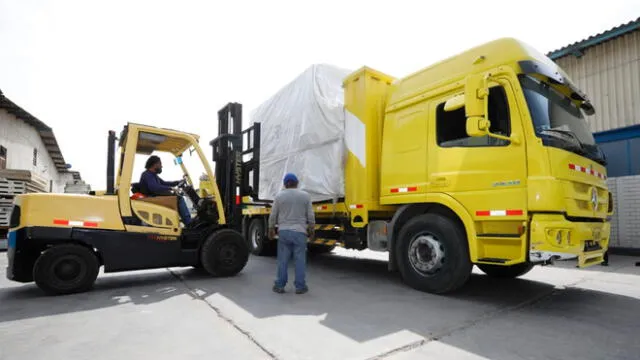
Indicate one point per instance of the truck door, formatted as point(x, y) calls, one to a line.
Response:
point(486, 175)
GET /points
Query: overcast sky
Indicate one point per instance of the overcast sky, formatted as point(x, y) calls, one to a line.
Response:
point(84, 67)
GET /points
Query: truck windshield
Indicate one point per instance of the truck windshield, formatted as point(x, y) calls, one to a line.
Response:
point(558, 121)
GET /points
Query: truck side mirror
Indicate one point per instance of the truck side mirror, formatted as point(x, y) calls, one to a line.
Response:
point(477, 126)
point(476, 92)
point(476, 98)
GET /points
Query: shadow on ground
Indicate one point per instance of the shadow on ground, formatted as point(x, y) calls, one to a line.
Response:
point(360, 300)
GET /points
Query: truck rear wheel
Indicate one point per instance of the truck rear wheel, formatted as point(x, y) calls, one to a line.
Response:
point(433, 254)
point(224, 253)
point(257, 238)
point(66, 269)
point(505, 272)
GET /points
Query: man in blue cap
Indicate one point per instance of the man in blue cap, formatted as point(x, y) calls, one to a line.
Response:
point(292, 211)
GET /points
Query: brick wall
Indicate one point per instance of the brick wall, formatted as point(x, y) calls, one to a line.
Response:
point(625, 223)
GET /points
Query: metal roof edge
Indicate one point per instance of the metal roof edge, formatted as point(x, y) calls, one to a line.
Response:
point(577, 47)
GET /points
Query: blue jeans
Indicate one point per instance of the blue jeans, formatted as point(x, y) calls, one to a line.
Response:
point(183, 210)
point(291, 243)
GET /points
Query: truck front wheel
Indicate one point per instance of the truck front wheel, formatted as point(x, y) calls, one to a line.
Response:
point(224, 253)
point(505, 272)
point(433, 254)
point(66, 269)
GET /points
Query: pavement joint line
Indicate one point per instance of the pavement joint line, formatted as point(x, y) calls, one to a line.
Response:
point(496, 313)
point(401, 349)
point(247, 334)
point(405, 348)
point(468, 324)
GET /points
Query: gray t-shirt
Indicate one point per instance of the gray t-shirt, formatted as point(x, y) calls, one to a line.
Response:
point(292, 210)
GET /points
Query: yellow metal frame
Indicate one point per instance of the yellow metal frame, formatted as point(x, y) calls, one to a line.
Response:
point(101, 211)
point(178, 142)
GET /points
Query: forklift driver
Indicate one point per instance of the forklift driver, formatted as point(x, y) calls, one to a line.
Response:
point(152, 185)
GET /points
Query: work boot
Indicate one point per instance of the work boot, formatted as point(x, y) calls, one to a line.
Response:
point(278, 290)
point(304, 290)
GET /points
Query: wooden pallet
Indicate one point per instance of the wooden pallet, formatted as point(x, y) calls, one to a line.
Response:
point(11, 187)
point(30, 188)
point(5, 215)
point(27, 177)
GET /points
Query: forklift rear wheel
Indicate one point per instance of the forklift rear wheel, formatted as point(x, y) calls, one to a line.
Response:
point(505, 272)
point(224, 253)
point(66, 269)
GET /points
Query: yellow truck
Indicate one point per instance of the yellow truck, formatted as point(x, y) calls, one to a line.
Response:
point(482, 159)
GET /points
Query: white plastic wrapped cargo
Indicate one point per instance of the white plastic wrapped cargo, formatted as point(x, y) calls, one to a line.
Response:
point(302, 129)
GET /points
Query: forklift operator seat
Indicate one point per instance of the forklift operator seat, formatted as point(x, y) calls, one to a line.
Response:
point(169, 201)
point(137, 192)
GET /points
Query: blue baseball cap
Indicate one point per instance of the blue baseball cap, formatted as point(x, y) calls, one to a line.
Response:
point(290, 178)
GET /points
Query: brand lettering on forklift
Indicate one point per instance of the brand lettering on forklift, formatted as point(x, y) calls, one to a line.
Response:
point(238, 166)
point(162, 238)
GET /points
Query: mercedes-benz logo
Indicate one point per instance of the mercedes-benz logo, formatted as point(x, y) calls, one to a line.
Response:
point(594, 198)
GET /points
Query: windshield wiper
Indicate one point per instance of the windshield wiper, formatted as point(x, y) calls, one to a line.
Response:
point(569, 134)
point(600, 156)
point(581, 148)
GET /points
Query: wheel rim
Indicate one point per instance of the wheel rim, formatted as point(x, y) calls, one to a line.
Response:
point(68, 269)
point(426, 254)
point(256, 236)
point(228, 255)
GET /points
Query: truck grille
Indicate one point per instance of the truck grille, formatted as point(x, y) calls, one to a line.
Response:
point(580, 200)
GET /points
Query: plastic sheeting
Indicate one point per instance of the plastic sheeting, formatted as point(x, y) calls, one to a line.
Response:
point(302, 131)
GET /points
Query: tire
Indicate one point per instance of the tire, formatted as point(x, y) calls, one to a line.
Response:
point(505, 272)
point(320, 249)
point(433, 254)
point(224, 253)
point(257, 239)
point(66, 269)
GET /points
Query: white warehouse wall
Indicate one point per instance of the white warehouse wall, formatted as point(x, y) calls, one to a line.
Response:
point(20, 138)
point(625, 222)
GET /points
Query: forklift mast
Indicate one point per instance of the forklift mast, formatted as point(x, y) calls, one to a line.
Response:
point(111, 153)
point(237, 168)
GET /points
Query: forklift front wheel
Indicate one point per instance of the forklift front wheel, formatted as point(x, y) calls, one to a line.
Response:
point(224, 253)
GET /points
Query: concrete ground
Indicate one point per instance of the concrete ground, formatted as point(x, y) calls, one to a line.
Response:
point(355, 310)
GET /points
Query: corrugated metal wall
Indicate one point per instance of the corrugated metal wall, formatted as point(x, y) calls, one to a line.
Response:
point(610, 75)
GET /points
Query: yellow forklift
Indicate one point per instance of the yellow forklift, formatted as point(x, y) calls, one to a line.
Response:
point(60, 241)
